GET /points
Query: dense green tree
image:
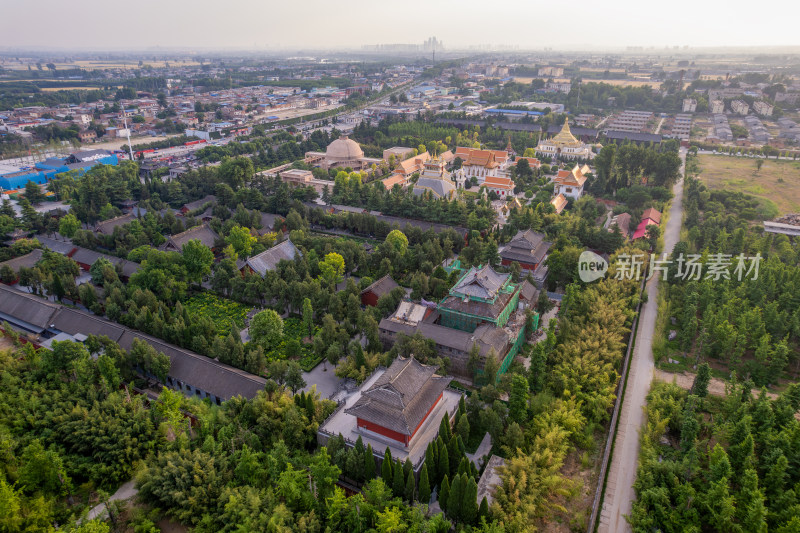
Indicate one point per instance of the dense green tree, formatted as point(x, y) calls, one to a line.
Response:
point(701, 381)
point(518, 399)
point(444, 493)
point(387, 473)
point(266, 329)
point(410, 488)
point(369, 463)
point(197, 259)
point(424, 484)
point(398, 482)
point(68, 225)
point(455, 500)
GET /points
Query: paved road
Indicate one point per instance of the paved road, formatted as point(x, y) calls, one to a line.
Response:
point(622, 473)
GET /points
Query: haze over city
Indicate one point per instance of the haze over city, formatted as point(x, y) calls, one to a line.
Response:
point(320, 24)
point(388, 266)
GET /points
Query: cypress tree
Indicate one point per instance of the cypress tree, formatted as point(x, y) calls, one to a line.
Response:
point(462, 406)
point(424, 485)
point(369, 464)
point(386, 468)
point(454, 454)
point(456, 498)
point(310, 408)
point(443, 465)
point(701, 381)
point(444, 429)
point(463, 466)
point(359, 447)
point(518, 399)
point(407, 467)
point(469, 505)
point(410, 487)
point(750, 509)
point(399, 483)
point(444, 494)
point(463, 428)
point(483, 510)
point(430, 460)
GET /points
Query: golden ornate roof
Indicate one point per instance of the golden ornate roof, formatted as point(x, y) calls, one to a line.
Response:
point(565, 137)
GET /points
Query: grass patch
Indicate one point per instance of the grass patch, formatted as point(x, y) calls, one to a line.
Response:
point(684, 363)
point(660, 342)
point(222, 311)
point(293, 330)
point(776, 184)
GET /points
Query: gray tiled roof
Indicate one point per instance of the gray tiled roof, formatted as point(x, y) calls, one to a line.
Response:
point(528, 291)
point(267, 222)
point(26, 308)
point(269, 259)
point(73, 321)
point(631, 136)
point(201, 372)
point(528, 239)
point(401, 397)
point(477, 307)
point(88, 257)
point(202, 233)
point(28, 260)
point(485, 336)
point(440, 188)
point(483, 283)
point(382, 286)
point(106, 227)
point(526, 247)
point(61, 247)
point(197, 204)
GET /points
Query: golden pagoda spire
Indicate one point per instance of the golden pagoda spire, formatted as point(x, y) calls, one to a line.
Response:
point(565, 136)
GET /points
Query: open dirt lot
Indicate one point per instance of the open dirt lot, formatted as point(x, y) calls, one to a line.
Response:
point(778, 181)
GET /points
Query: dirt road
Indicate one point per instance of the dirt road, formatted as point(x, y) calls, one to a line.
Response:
point(622, 472)
point(716, 387)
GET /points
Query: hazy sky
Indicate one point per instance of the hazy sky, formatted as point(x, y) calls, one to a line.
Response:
point(137, 24)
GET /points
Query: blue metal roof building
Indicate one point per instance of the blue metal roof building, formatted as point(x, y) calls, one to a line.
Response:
point(49, 169)
point(513, 112)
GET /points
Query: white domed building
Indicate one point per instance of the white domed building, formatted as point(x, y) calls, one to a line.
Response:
point(343, 152)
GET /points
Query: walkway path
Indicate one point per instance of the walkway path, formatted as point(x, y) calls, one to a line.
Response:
point(619, 494)
point(483, 449)
point(126, 492)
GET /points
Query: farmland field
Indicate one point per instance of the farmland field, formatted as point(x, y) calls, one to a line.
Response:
point(777, 183)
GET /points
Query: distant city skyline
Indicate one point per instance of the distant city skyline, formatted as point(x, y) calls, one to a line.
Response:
point(314, 24)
